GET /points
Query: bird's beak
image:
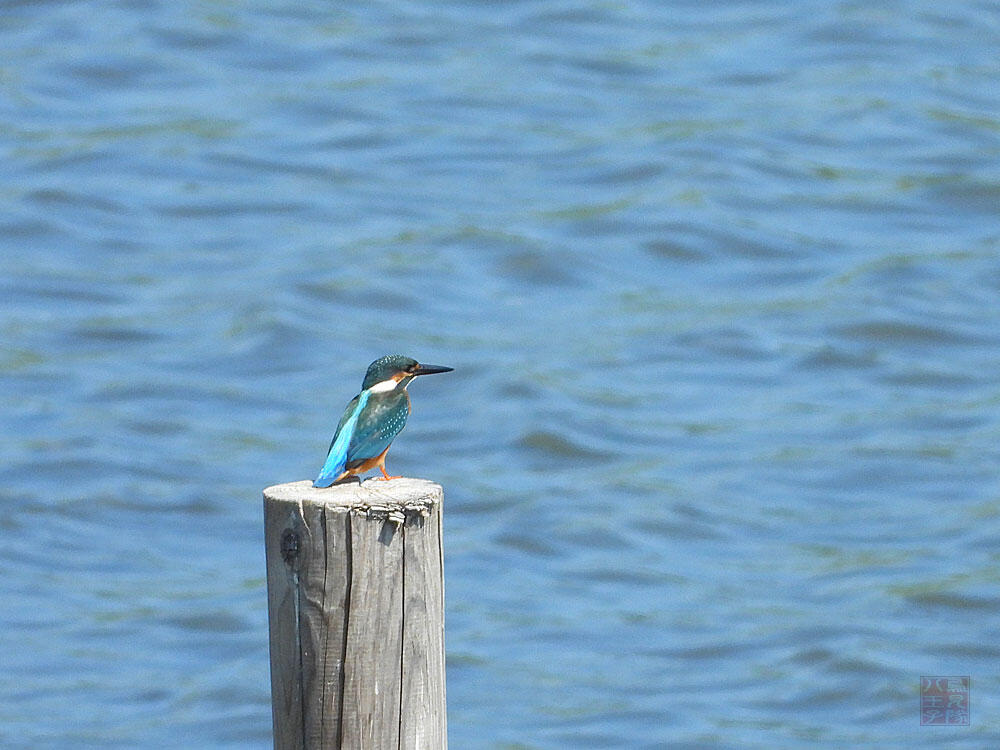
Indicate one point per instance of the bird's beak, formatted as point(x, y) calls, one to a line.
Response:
point(430, 369)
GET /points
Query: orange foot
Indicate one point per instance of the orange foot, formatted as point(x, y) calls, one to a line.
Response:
point(385, 477)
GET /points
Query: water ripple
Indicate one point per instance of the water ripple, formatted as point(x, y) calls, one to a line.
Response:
point(718, 283)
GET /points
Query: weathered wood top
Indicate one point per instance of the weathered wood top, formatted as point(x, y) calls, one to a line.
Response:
point(404, 493)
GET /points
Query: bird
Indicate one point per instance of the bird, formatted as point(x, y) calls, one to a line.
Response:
point(372, 419)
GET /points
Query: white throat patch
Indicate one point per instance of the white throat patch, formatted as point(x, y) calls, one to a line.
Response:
point(383, 386)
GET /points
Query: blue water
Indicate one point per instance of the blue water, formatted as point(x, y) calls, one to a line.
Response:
point(720, 284)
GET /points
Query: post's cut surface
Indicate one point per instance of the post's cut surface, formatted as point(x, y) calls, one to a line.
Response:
point(355, 596)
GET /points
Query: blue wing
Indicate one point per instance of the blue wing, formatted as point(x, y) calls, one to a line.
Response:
point(377, 426)
point(336, 459)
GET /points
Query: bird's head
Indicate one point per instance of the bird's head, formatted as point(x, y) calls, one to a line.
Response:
point(395, 370)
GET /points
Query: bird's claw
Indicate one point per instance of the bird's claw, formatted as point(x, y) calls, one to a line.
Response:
point(385, 476)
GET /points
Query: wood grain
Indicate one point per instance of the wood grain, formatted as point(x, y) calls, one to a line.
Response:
point(356, 613)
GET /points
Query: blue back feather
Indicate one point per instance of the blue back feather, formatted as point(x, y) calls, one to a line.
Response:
point(336, 459)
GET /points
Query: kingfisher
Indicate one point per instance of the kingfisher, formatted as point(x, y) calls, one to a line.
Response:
point(372, 419)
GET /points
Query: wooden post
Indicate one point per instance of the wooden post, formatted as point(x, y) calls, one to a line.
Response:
point(355, 596)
